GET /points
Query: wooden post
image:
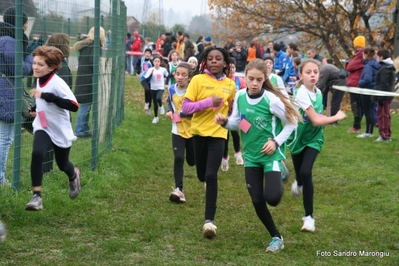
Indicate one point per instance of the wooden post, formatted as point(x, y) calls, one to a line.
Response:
point(328, 108)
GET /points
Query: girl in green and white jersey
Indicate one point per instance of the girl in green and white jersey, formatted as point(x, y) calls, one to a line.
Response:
point(306, 142)
point(266, 119)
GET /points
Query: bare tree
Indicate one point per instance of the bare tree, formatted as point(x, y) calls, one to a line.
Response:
point(331, 24)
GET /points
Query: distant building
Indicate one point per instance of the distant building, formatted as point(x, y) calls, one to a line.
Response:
point(90, 13)
point(132, 24)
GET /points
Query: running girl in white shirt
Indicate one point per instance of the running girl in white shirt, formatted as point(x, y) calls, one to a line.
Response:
point(157, 75)
point(52, 124)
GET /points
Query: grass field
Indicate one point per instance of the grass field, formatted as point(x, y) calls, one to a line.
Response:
point(124, 217)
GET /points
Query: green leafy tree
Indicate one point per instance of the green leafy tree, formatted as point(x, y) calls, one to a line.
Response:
point(151, 30)
point(178, 27)
point(151, 27)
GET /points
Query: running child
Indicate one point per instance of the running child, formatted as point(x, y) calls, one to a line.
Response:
point(306, 142)
point(52, 125)
point(209, 93)
point(182, 140)
point(174, 61)
point(146, 63)
point(193, 61)
point(266, 119)
point(157, 75)
point(275, 79)
point(240, 84)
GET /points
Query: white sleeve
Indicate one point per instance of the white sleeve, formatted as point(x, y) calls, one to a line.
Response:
point(302, 99)
point(234, 119)
point(277, 108)
point(280, 82)
point(148, 72)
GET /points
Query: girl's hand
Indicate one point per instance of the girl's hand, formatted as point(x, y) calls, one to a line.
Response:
point(169, 115)
point(270, 147)
point(220, 119)
point(32, 113)
point(217, 101)
point(340, 115)
point(36, 93)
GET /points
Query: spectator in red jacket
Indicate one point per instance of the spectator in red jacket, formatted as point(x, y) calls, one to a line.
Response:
point(160, 43)
point(355, 67)
point(136, 49)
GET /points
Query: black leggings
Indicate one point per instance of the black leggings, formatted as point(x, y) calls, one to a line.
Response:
point(208, 157)
point(180, 145)
point(156, 96)
point(368, 110)
point(336, 100)
point(303, 165)
point(147, 92)
point(264, 188)
point(41, 143)
point(356, 105)
point(236, 142)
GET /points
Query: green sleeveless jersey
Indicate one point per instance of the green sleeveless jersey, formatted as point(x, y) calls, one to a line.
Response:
point(306, 134)
point(264, 125)
point(172, 69)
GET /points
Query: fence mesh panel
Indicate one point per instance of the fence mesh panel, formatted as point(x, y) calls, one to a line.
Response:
point(91, 35)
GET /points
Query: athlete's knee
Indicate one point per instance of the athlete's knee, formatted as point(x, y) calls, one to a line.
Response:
point(273, 200)
point(179, 159)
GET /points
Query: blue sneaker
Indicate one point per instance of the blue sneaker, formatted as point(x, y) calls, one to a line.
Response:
point(285, 173)
point(276, 245)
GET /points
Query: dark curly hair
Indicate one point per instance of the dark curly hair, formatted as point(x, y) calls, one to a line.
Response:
point(204, 56)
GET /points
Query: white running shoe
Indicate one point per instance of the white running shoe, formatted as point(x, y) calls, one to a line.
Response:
point(296, 190)
point(381, 139)
point(35, 203)
point(155, 120)
point(177, 196)
point(146, 106)
point(276, 244)
point(161, 110)
point(209, 230)
point(238, 157)
point(225, 164)
point(364, 135)
point(308, 224)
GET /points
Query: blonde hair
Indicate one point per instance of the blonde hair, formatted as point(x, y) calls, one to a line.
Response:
point(291, 112)
point(90, 35)
point(396, 64)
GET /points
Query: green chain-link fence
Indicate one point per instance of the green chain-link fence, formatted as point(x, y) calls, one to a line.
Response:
point(107, 80)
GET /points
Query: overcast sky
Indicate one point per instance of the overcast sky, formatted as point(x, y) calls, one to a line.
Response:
point(185, 8)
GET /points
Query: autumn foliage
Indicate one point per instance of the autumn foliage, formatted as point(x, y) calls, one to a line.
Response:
point(330, 25)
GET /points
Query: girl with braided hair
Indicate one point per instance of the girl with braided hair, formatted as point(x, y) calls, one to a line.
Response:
point(210, 92)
